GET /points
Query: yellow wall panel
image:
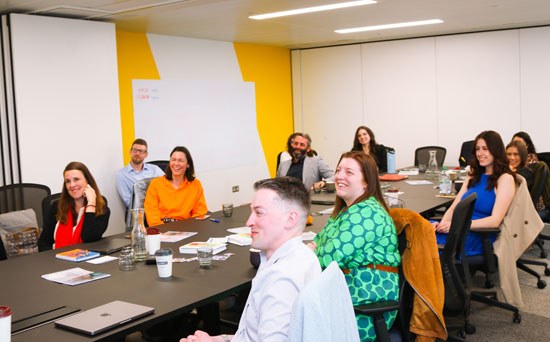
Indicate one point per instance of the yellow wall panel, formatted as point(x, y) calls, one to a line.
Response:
point(269, 68)
point(135, 61)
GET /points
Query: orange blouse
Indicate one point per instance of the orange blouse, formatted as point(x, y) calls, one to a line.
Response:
point(163, 201)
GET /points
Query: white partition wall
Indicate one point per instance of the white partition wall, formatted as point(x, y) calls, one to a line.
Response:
point(66, 90)
point(399, 86)
point(426, 91)
point(331, 98)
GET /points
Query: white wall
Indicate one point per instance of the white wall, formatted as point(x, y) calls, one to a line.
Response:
point(188, 59)
point(66, 89)
point(427, 91)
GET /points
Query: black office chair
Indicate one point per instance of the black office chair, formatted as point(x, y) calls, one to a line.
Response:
point(24, 196)
point(422, 155)
point(465, 153)
point(455, 269)
point(400, 330)
point(162, 164)
point(541, 177)
point(544, 157)
point(48, 201)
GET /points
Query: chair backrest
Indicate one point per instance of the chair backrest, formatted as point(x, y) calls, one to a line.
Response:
point(139, 190)
point(24, 196)
point(544, 157)
point(465, 153)
point(541, 177)
point(458, 283)
point(162, 164)
point(47, 203)
point(422, 155)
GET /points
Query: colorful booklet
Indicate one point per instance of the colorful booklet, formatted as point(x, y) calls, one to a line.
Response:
point(173, 236)
point(74, 276)
point(191, 248)
point(242, 239)
point(77, 255)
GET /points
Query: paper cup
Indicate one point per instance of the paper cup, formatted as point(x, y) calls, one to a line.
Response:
point(164, 262)
point(153, 243)
point(5, 323)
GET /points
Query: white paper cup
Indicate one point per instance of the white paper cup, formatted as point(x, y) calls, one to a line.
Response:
point(5, 324)
point(164, 262)
point(153, 243)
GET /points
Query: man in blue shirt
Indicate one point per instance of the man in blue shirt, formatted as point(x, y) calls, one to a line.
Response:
point(135, 170)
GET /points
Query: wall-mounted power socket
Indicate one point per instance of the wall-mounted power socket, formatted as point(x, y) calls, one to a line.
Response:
point(235, 188)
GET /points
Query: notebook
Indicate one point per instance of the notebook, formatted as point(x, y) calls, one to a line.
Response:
point(106, 247)
point(104, 317)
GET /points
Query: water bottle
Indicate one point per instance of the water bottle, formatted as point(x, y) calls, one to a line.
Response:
point(139, 235)
point(390, 157)
point(444, 182)
point(432, 170)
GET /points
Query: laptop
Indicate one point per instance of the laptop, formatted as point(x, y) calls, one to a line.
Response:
point(107, 246)
point(104, 317)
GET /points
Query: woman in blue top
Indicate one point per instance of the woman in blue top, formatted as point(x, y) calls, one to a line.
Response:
point(493, 182)
point(360, 236)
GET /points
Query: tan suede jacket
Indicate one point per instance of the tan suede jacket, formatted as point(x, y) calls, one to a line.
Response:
point(422, 270)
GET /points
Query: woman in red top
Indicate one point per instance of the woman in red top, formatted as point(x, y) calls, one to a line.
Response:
point(80, 215)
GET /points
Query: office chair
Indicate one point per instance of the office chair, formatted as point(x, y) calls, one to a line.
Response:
point(162, 164)
point(24, 196)
point(465, 153)
point(544, 157)
point(139, 190)
point(422, 155)
point(542, 174)
point(455, 269)
point(50, 200)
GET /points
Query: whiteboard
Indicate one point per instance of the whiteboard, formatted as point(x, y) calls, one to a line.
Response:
point(215, 120)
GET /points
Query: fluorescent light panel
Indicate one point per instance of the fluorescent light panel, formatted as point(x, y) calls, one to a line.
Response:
point(390, 26)
point(312, 9)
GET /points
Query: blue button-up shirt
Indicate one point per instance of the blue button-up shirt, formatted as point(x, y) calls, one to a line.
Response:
point(127, 176)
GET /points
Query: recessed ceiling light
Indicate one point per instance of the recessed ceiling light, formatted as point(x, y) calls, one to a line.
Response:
point(312, 9)
point(389, 26)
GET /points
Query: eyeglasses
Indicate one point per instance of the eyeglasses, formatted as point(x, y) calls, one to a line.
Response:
point(136, 150)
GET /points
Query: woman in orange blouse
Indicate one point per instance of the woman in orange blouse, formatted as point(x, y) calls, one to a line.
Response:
point(176, 196)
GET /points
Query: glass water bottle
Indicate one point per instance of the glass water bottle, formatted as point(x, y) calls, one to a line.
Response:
point(139, 235)
point(432, 171)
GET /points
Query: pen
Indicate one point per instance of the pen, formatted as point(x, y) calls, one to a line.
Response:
point(214, 220)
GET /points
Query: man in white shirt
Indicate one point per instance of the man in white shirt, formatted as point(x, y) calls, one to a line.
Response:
point(137, 169)
point(279, 214)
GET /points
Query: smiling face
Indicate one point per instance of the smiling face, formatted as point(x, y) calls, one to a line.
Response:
point(75, 182)
point(349, 181)
point(514, 157)
point(178, 164)
point(363, 137)
point(267, 221)
point(484, 156)
point(299, 147)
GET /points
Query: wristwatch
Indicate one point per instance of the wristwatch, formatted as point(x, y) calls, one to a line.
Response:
point(225, 338)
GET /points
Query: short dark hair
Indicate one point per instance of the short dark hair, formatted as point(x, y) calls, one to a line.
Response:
point(528, 142)
point(522, 150)
point(190, 172)
point(140, 141)
point(289, 189)
point(293, 136)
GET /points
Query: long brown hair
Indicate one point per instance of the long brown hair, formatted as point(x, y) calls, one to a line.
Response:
point(522, 151)
point(372, 143)
point(66, 199)
point(369, 170)
point(500, 160)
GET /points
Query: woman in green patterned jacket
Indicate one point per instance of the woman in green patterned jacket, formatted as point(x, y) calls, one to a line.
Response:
point(361, 237)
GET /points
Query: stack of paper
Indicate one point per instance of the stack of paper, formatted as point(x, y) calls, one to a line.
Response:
point(74, 276)
point(191, 248)
point(77, 255)
point(240, 239)
point(172, 236)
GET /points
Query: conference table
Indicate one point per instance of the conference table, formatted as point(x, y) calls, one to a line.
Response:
point(23, 289)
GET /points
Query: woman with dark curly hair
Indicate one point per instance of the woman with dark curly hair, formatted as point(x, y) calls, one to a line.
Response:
point(365, 141)
point(493, 182)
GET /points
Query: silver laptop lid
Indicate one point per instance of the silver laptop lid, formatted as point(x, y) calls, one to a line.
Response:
point(104, 317)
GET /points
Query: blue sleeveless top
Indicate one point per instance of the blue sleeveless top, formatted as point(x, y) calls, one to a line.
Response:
point(483, 208)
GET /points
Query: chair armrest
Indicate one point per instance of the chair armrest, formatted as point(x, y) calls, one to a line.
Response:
point(490, 258)
point(485, 231)
point(371, 309)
